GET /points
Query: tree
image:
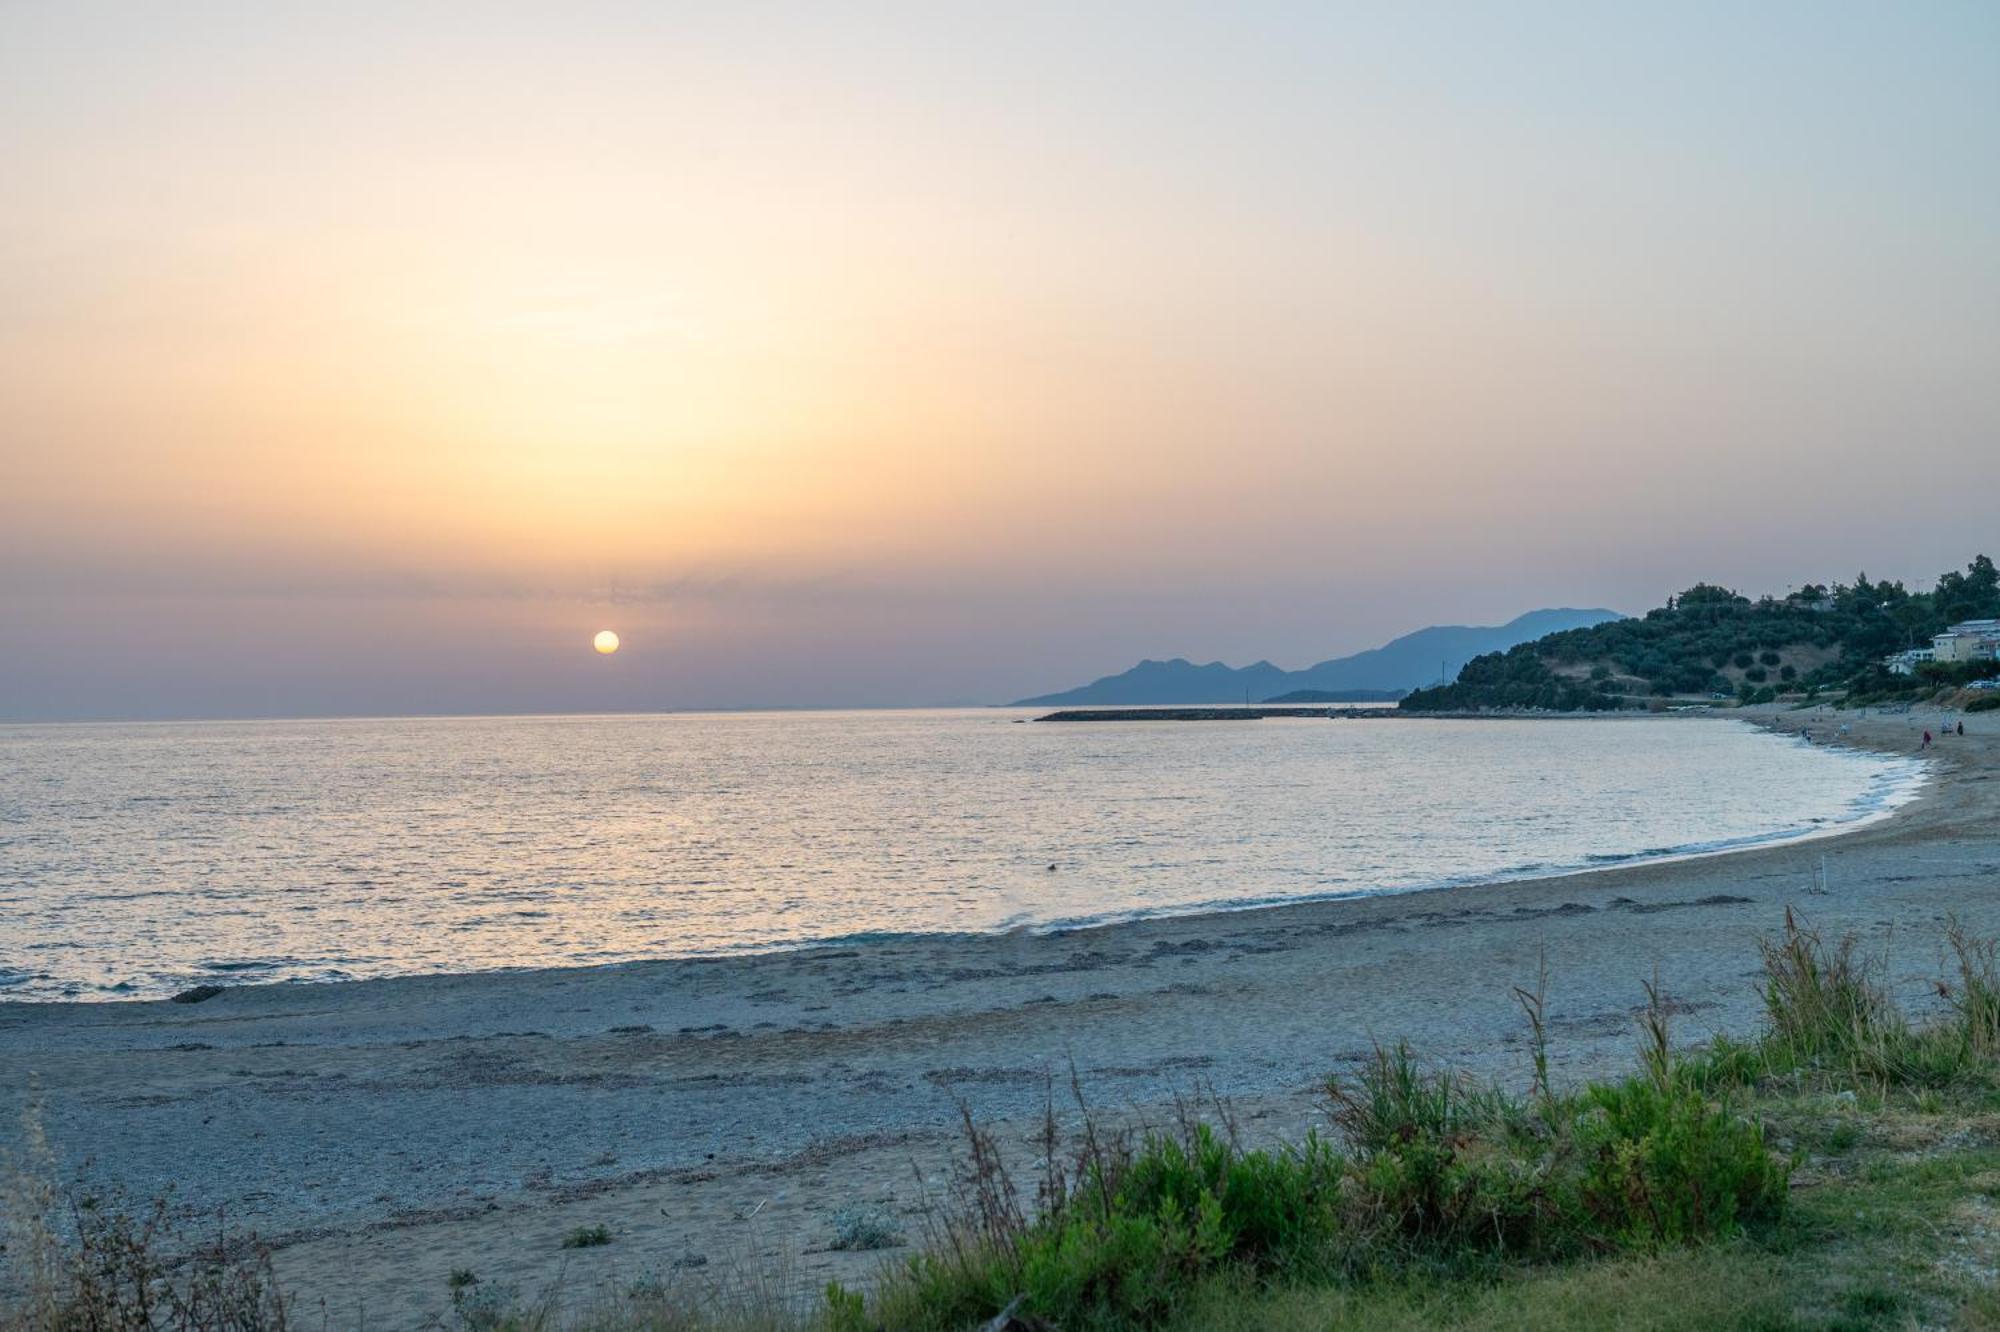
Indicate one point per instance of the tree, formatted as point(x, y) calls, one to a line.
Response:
point(1972, 595)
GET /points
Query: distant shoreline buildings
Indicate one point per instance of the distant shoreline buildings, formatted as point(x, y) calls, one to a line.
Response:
point(1968, 640)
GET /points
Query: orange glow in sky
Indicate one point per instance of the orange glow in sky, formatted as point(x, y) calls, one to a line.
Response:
point(932, 353)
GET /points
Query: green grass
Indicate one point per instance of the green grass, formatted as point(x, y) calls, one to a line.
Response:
point(1891, 1217)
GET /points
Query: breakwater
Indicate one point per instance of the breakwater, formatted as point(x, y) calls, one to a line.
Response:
point(1226, 712)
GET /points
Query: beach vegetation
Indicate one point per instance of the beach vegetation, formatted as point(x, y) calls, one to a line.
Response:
point(1838, 1170)
point(1438, 1201)
point(866, 1228)
point(587, 1237)
point(72, 1261)
point(478, 1306)
point(1424, 1174)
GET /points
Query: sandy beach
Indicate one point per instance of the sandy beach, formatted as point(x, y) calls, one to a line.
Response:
point(715, 1114)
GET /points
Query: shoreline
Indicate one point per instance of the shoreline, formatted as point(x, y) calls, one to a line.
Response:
point(390, 1130)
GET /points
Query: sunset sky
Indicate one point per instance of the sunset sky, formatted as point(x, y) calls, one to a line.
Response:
point(370, 358)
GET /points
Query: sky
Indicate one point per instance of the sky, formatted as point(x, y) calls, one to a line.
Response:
point(368, 358)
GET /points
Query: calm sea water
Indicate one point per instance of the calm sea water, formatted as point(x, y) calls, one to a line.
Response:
point(135, 860)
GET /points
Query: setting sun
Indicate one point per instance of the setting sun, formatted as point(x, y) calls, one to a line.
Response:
point(605, 642)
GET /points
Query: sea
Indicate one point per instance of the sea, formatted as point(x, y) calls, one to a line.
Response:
point(137, 860)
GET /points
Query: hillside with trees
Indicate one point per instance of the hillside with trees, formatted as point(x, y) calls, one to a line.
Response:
point(1710, 641)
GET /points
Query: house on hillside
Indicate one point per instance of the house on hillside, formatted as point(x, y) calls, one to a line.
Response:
point(1906, 663)
point(1968, 640)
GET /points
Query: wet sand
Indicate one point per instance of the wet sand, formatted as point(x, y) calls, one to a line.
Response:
point(717, 1113)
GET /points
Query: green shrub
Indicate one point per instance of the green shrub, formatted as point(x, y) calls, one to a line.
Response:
point(1649, 1161)
point(1665, 1165)
point(1439, 1162)
point(1140, 1228)
point(1985, 703)
point(1259, 1208)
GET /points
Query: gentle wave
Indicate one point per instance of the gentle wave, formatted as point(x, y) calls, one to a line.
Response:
point(329, 851)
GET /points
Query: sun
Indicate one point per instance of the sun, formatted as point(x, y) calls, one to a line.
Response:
point(605, 642)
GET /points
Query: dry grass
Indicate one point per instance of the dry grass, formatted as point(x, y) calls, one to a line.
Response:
point(34, 1250)
point(75, 1265)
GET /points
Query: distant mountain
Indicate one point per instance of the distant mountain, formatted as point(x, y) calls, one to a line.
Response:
point(1409, 662)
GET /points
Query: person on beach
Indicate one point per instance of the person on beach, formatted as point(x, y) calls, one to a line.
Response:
point(1927, 741)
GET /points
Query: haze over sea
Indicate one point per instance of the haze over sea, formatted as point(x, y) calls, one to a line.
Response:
point(139, 859)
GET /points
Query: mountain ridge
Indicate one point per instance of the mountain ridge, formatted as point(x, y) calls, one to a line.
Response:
point(1408, 662)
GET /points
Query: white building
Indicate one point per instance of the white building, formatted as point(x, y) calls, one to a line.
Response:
point(1968, 640)
point(1905, 663)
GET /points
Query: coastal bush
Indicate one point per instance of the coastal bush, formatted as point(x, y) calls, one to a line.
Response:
point(1438, 1162)
point(1667, 1160)
point(1433, 1174)
point(1141, 1224)
point(485, 1307)
point(120, 1269)
point(1986, 704)
point(587, 1237)
point(865, 1228)
point(76, 1262)
point(1664, 1164)
point(1658, 1158)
